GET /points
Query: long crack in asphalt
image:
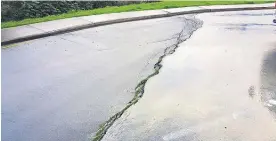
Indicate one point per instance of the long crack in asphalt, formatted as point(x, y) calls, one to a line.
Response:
point(191, 24)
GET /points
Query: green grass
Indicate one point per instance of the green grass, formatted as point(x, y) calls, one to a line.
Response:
point(126, 8)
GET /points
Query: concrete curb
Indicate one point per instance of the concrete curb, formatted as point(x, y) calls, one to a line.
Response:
point(90, 25)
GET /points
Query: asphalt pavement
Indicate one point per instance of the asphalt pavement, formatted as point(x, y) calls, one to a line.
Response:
point(218, 85)
point(63, 87)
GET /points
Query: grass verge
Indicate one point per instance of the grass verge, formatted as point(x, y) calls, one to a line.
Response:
point(126, 8)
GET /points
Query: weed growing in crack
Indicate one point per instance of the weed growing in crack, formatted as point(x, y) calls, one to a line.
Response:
point(193, 24)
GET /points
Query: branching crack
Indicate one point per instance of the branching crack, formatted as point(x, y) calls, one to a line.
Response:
point(190, 26)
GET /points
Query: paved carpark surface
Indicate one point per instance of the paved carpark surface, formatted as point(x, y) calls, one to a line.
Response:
point(63, 87)
point(218, 85)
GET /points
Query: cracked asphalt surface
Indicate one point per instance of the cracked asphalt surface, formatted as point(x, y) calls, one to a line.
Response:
point(63, 87)
point(218, 85)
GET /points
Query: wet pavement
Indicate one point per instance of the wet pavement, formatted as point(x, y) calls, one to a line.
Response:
point(218, 85)
point(63, 87)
